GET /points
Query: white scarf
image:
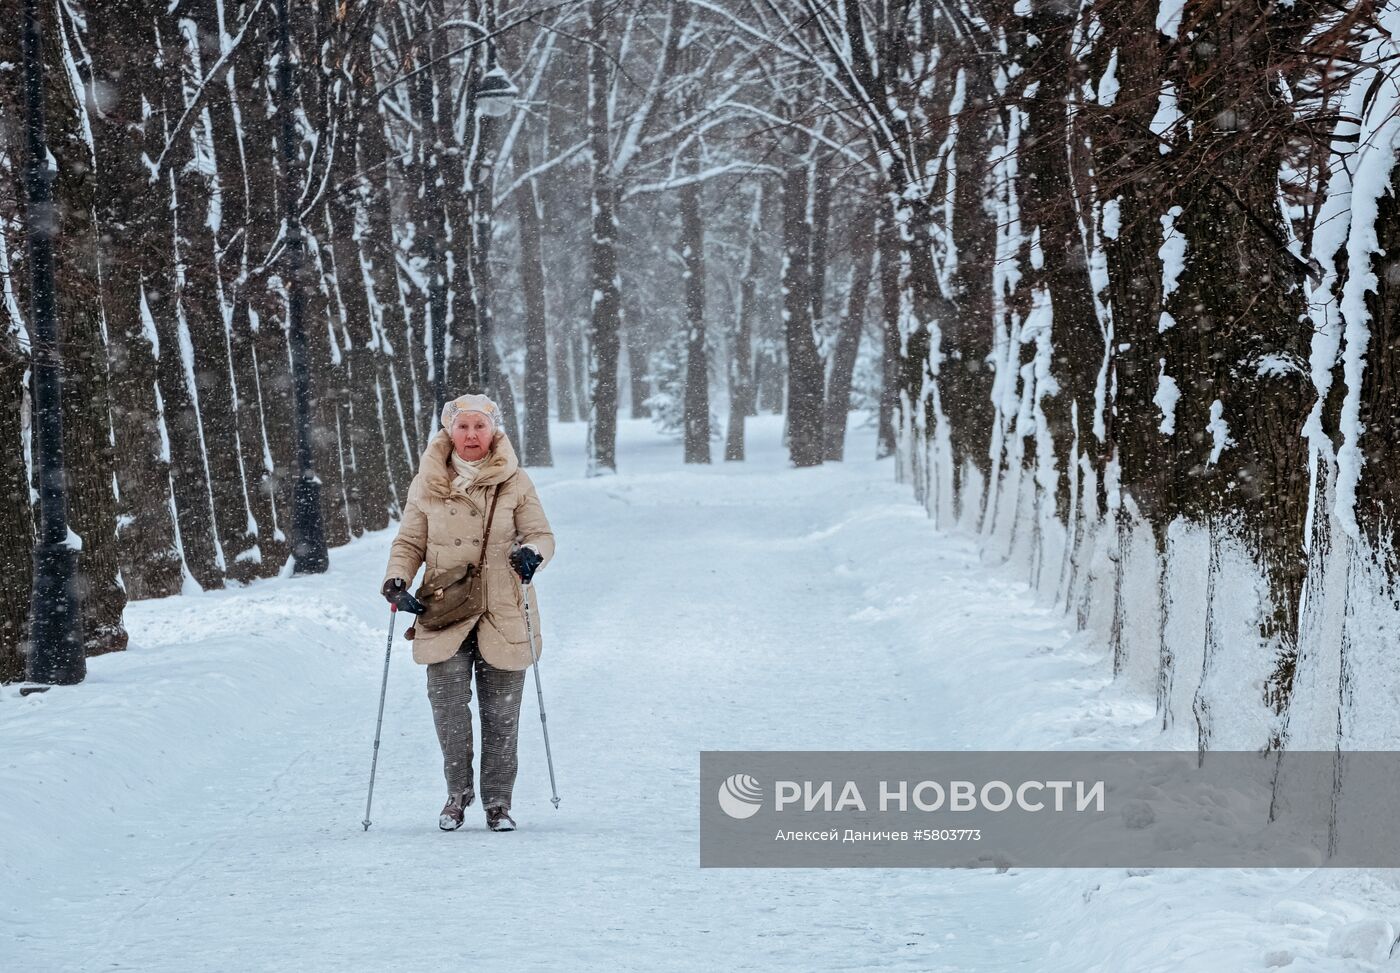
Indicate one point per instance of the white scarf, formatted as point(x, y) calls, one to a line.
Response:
point(467, 472)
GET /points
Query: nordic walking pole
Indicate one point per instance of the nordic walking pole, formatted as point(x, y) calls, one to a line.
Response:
point(383, 688)
point(409, 604)
point(535, 665)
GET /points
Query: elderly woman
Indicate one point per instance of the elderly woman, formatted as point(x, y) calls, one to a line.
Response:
point(469, 473)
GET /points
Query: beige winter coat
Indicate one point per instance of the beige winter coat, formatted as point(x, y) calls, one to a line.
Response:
point(442, 529)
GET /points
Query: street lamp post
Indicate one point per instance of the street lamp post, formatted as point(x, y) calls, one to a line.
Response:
point(493, 98)
point(308, 538)
point(55, 639)
point(495, 92)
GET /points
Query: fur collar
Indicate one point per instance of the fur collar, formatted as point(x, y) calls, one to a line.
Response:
point(436, 465)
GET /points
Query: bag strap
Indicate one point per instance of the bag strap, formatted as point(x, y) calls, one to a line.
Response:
point(486, 535)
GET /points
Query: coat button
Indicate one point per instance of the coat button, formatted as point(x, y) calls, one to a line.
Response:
point(458, 542)
point(452, 511)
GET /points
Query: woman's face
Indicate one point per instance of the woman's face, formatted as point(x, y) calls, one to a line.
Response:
point(471, 435)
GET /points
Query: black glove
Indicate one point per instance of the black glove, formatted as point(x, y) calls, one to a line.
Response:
point(396, 593)
point(525, 560)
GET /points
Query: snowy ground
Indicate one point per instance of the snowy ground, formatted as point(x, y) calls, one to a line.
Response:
point(196, 804)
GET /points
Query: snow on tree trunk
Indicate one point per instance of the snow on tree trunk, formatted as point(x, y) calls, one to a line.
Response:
point(639, 376)
point(431, 231)
point(965, 375)
point(122, 50)
point(697, 369)
point(233, 154)
point(87, 442)
point(843, 359)
point(401, 349)
point(1131, 181)
point(741, 362)
point(891, 363)
point(527, 209)
point(806, 376)
point(368, 483)
point(264, 341)
point(466, 172)
point(1048, 204)
point(819, 217)
point(1239, 340)
point(17, 543)
point(605, 317)
point(162, 304)
point(563, 374)
point(206, 307)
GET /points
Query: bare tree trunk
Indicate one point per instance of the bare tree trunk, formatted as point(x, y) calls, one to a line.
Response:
point(87, 443)
point(264, 341)
point(324, 315)
point(160, 290)
point(121, 45)
point(843, 358)
point(579, 370)
point(890, 363)
point(820, 220)
point(966, 375)
point(605, 321)
point(203, 298)
point(498, 380)
point(769, 377)
point(324, 322)
point(1048, 202)
point(741, 370)
point(17, 543)
point(369, 480)
point(1238, 306)
point(527, 207)
point(431, 229)
point(487, 356)
point(398, 349)
point(806, 380)
point(563, 373)
point(1378, 415)
point(236, 167)
point(471, 367)
point(638, 367)
point(697, 369)
point(1132, 178)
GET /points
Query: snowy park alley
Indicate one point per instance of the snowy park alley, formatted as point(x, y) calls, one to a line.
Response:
point(196, 803)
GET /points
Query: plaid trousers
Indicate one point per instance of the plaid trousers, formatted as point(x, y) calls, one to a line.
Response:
point(498, 696)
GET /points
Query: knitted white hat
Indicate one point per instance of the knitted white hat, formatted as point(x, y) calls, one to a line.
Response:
point(471, 403)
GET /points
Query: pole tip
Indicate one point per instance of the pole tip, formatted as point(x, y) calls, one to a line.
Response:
point(366, 824)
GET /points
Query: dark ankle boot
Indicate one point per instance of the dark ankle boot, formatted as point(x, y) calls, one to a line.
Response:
point(499, 819)
point(451, 817)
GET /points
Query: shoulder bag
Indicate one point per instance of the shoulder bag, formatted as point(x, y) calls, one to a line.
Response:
point(463, 598)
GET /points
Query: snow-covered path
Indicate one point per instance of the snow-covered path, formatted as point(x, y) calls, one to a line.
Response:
point(195, 805)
